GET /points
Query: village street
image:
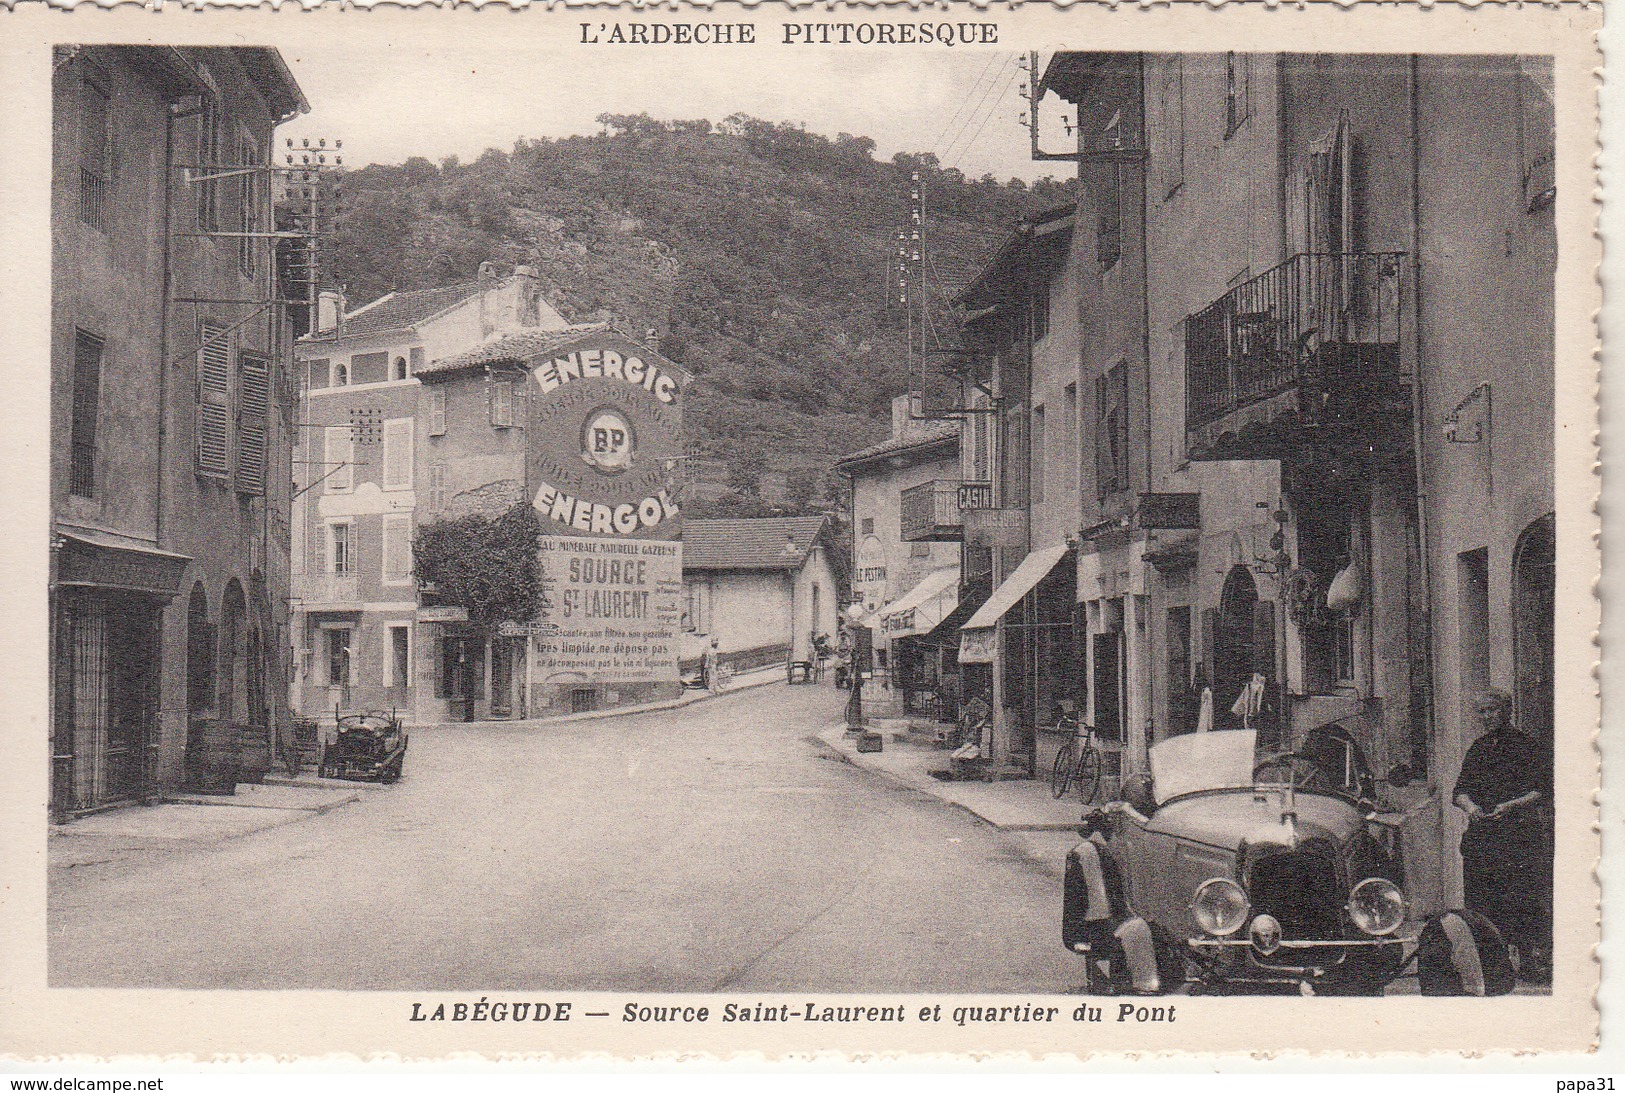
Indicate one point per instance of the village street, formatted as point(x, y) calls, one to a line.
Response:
point(719, 846)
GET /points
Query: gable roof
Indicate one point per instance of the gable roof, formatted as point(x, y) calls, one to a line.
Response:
point(512, 347)
point(399, 311)
point(930, 434)
point(750, 544)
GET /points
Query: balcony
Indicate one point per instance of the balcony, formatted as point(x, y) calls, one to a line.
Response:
point(1306, 353)
point(930, 511)
point(327, 591)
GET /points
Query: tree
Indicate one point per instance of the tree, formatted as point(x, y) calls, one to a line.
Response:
point(487, 567)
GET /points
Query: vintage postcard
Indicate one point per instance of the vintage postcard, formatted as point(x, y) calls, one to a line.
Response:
point(954, 530)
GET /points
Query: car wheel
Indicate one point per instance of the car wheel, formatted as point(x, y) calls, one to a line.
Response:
point(1462, 953)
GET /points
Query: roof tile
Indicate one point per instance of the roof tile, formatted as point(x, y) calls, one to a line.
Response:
point(749, 544)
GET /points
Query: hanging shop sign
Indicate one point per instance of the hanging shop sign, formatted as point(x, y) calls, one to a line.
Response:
point(1004, 528)
point(976, 646)
point(606, 440)
point(611, 610)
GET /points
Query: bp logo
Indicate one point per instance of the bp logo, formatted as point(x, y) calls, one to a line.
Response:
point(608, 440)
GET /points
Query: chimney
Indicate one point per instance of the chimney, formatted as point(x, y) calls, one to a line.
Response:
point(490, 309)
point(904, 408)
point(329, 311)
point(528, 293)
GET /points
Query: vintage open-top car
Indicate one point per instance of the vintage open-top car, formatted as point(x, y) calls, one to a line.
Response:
point(1228, 871)
point(368, 747)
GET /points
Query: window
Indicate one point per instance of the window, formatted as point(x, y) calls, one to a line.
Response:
point(414, 362)
point(248, 205)
point(398, 369)
point(339, 459)
point(341, 549)
point(398, 668)
point(398, 454)
point(437, 487)
point(1237, 92)
point(1179, 651)
point(1169, 154)
point(319, 372)
point(339, 376)
point(253, 408)
point(95, 150)
point(1111, 431)
point(1040, 312)
point(208, 154)
point(1068, 461)
point(1040, 458)
point(868, 525)
point(338, 656)
point(213, 400)
point(697, 609)
point(87, 401)
point(502, 403)
point(397, 549)
point(1109, 227)
point(437, 412)
point(369, 367)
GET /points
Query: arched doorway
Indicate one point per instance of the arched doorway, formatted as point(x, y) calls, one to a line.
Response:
point(1233, 639)
point(1534, 585)
point(233, 691)
point(200, 664)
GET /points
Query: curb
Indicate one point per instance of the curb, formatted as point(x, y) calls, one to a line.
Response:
point(851, 759)
point(740, 683)
point(228, 802)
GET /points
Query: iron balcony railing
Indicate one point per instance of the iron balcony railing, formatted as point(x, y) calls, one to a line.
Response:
point(1327, 325)
point(930, 511)
point(327, 588)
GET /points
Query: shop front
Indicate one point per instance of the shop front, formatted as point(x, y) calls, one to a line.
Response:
point(108, 601)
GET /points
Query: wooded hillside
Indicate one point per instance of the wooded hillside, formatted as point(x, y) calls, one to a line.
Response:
point(757, 252)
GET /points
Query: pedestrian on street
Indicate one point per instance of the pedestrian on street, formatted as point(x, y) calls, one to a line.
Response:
point(713, 681)
point(1505, 788)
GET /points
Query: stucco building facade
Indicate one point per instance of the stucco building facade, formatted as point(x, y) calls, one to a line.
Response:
point(171, 416)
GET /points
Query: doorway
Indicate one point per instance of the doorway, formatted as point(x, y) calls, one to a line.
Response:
point(1534, 586)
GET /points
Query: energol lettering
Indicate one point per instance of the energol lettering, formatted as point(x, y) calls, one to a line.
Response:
point(595, 518)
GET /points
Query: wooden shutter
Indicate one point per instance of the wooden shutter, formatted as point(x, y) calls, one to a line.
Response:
point(502, 403)
point(87, 386)
point(398, 454)
point(253, 409)
point(437, 487)
point(339, 458)
point(214, 401)
point(437, 412)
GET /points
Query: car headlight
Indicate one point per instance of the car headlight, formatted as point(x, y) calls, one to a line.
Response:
point(1377, 906)
point(1220, 906)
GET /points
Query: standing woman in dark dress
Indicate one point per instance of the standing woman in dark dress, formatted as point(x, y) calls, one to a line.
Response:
point(1505, 788)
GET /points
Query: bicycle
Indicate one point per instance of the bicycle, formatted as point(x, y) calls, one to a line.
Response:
point(1078, 763)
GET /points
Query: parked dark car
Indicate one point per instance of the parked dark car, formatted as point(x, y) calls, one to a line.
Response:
point(365, 747)
point(1228, 872)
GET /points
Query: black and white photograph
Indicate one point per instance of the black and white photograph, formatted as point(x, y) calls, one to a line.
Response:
point(808, 518)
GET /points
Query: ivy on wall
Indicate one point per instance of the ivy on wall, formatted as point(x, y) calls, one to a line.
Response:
point(486, 566)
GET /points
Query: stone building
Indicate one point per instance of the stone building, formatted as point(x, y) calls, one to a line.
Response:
point(171, 416)
point(361, 493)
point(1313, 374)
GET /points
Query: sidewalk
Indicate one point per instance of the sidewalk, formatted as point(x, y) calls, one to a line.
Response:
point(760, 677)
point(191, 819)
point(1025, 805)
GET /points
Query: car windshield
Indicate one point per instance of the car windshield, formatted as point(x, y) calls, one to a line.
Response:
point(1202, 761)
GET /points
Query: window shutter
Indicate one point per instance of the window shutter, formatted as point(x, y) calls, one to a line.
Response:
point(437, 487)
point(87, 385)
point(397, 549)
point(398, 454)
point(339, 458)
point(1103, 445)
point(1120, 404)
point(502, 403)
point(437, 412)
point(253, 408)
point(214, 401)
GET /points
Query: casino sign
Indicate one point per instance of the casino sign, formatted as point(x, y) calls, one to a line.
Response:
point(604, 455)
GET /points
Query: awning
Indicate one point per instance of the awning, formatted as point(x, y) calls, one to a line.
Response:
point(98, 559)
point(924, 605)
point(1033, 568)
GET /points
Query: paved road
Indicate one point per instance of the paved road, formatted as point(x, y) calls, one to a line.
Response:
point(718, 846)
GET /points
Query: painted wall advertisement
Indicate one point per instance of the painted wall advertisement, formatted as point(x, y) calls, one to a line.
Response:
point(608, 414)
point(611, 611)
